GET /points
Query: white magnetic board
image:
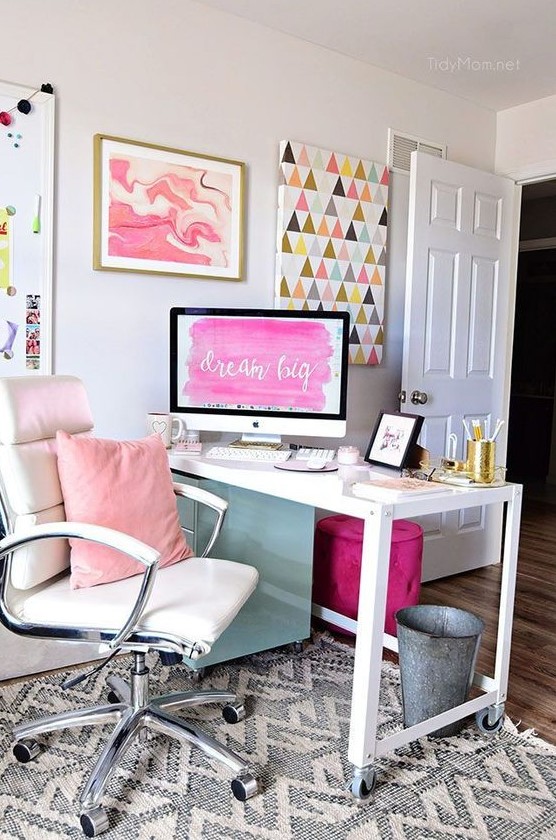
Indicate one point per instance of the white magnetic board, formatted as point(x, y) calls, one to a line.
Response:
point(26, 229)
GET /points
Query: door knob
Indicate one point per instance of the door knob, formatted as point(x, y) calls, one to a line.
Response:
point(419, 397)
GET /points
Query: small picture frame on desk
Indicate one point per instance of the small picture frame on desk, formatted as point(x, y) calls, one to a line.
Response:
point(393, 438)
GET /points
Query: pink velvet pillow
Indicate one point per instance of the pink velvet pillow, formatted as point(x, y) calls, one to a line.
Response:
point(126, 485)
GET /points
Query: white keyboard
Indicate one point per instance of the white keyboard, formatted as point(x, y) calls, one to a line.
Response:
point(239, 453)
point(306, 452)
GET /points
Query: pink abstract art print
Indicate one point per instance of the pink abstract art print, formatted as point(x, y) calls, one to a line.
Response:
point(162, 210)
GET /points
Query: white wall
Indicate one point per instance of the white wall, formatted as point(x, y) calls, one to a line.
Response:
point(180, 74)
point(526, 139)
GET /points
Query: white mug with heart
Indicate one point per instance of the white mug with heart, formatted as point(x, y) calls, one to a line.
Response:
point(162, 424)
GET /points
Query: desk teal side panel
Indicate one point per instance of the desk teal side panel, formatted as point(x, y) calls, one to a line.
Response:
point(275, 536)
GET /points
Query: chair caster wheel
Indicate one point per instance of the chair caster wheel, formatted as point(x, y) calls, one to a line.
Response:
point(233, 714)
point(169, 658)
point(26, 750)
point(483, 725)
point(362, 787)
point(112, 697)
point(244, 787)
point(198, 675)
point(94, 822)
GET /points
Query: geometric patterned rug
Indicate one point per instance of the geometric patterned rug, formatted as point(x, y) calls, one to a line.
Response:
point(469, 787)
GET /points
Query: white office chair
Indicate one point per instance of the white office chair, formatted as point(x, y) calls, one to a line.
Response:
point(137, 615)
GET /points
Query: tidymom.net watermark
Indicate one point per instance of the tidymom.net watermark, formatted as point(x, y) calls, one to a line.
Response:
point(472, 65)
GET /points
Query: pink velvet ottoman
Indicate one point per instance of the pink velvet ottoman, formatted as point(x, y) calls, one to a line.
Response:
point(337, 564)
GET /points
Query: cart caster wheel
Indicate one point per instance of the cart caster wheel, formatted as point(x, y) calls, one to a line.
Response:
point(233, 714)
point(481, 719)
point(26, 750)
point(94, 822)
point(297, 647)
point(363, 787)
point(244, 787)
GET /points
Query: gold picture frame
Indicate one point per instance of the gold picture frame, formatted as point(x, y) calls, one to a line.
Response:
point(160, 210)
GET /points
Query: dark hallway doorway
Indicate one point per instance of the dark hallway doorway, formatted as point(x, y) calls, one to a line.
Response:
point(531, 457)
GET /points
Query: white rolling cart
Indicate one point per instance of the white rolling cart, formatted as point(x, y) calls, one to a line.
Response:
point(364, 747)
point(327, 492)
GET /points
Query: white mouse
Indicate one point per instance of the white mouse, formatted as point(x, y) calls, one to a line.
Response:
point(316, 463)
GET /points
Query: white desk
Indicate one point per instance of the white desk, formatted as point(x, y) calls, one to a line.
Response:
point(327, 491)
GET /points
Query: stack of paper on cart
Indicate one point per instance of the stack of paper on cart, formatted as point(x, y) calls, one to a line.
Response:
point(384, 488)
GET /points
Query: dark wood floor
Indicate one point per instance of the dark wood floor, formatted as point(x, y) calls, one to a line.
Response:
point(532, 688)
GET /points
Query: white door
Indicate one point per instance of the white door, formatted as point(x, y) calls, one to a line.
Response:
point(460, 294)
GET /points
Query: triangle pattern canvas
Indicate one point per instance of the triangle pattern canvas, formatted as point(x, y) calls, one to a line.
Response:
point(332, 226)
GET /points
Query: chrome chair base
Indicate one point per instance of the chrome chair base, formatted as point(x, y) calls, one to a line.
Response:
point(134, 714)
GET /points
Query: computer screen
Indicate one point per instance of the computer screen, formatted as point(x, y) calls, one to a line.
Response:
point(261, 372)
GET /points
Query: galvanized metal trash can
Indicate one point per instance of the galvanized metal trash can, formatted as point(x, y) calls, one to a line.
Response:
point(438, 649)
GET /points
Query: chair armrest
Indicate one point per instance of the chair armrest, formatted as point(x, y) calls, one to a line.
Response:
point(140, 551)
point(204, 497)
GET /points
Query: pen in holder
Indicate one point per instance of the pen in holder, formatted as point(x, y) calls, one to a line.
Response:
point(481, 460)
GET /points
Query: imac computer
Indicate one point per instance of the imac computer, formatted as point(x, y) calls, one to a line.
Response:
point(262, 373)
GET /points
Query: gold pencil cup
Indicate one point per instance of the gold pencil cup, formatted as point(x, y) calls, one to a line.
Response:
point(481, 460)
